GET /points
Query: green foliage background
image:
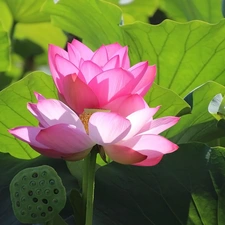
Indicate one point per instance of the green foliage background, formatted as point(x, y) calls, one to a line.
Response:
point(187, 187)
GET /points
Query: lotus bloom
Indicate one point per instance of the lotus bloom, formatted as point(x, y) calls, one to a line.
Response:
point(103, 75)
point(128, 134)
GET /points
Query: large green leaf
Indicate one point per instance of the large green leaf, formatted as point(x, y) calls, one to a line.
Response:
point(186, 55)
point(199, 125)
point(186, 188)
point(4, 49)
point(13, 101)
point(27, 11)
point(171, 104)
point(42, 34)
point(183, 10)
point(96, 22)
point(137, 9)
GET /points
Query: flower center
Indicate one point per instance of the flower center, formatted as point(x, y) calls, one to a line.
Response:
point(86, 114)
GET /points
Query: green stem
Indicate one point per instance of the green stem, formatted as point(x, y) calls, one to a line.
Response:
point(89, 184)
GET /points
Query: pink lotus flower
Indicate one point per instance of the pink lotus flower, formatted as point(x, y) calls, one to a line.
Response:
point(128, 135)
point(103, 75)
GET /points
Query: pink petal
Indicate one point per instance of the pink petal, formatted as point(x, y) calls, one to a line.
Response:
point(64, 66)
point(110, 84)
point(139, 68)
point(50, 112)
point(39, 96)
point(124, 58)
point(128, 104)
point(123, 154)
point(52, 52)
point(78, 95)
point(112, 49)
point(89, 70)
point(159, 125)
point(107, 128)
point(85, 52)
point(65, 138)
point(28, 135)
point(152, 146)
point(112, 63)
point(146, 81)
point(138, 120)
point(100, 56)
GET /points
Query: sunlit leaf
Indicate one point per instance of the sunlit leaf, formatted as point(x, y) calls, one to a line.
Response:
point(199, 125)
point(171, 104)
point(134, 10)
point(182, 10)
point(13, 107)
point(186, 55)
point(96, 22)
point(27, 11)
point(4, 49)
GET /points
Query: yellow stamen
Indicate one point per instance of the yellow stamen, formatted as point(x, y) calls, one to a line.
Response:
point(85, 116)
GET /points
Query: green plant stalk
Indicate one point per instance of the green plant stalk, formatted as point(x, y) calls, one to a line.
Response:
point(89, 184)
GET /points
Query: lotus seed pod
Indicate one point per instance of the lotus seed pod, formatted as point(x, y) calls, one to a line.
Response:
point(37, 194)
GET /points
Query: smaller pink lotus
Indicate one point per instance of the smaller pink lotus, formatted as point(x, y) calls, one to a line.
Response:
point(103, 75)
point(128, 135)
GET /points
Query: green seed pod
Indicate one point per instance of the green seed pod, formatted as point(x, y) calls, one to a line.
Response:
point(37, 194)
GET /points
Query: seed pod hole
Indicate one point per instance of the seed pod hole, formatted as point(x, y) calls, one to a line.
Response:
point(22, 212)
point(18, 204)
point(33, 215)
point(17, 194)
point(35, 175)
point(24, 178)
point(16, 184)
point(52, 182)
point(56, 191)
point(44, 173)
point(30, 193)
point(43, 214)
point(35, 200)
point(42, 183)
point(32, 183)
point(50, 209)
point(45, 201)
